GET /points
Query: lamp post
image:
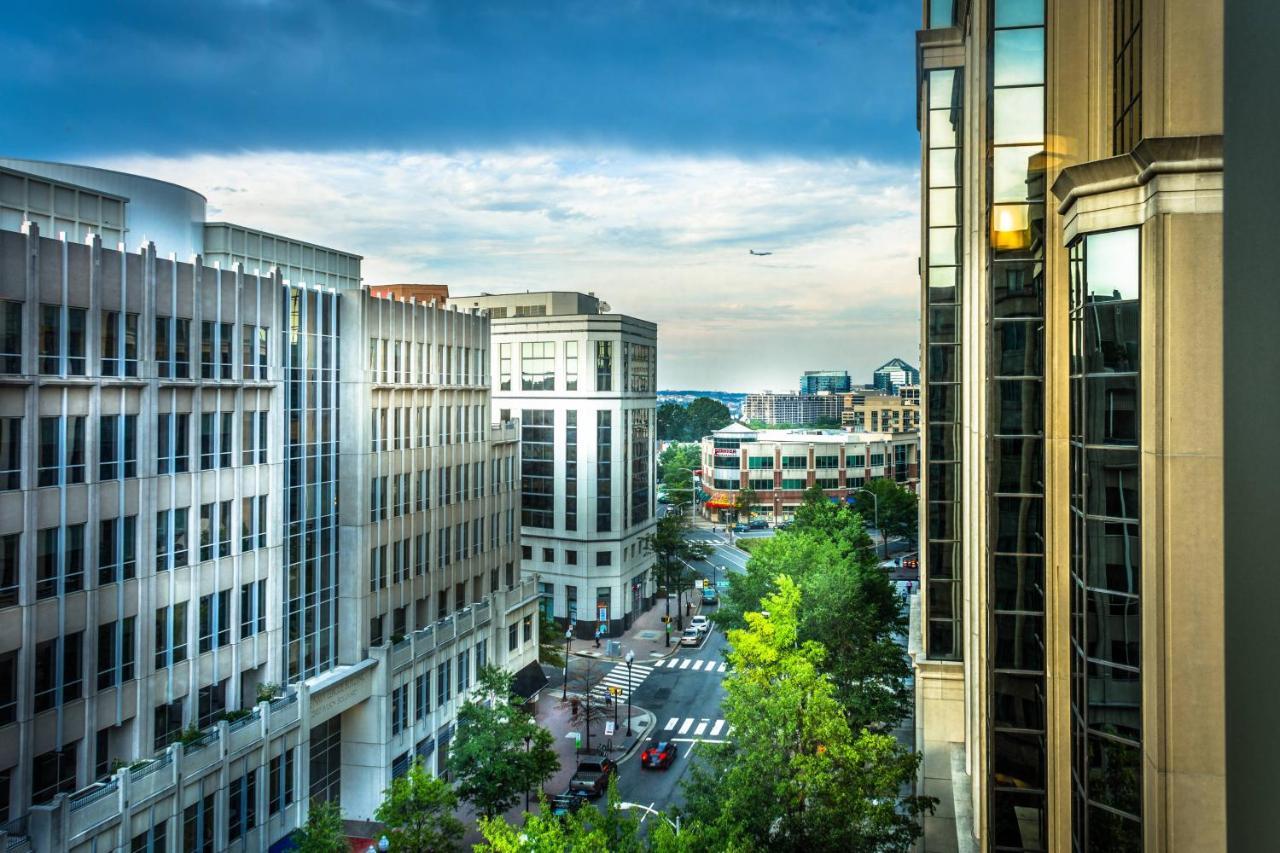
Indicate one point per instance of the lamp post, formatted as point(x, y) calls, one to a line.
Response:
point(568, 635)
point(631, 658)
point(876, 503)
point(528, 736)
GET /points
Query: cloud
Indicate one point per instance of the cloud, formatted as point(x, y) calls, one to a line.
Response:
point(663, 237)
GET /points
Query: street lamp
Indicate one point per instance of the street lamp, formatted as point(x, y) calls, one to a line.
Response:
point(631, 658)
point(876, 504)
point(568, 635)
point(528, 736)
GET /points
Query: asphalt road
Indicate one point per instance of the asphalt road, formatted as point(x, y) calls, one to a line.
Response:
point(685, 695)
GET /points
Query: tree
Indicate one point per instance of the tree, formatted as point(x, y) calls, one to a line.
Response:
point(675, 467)
point(705, 416)
point(797, 777)
point(898, 509)
point(589, 830)
point(323, 832)
point(499, 752)
point(742, 504)
point(673, 422)
point(672, 550)
point(583, 680)
point(550, 650)
point(417, 810)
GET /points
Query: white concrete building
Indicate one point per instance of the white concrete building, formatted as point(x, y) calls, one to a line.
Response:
point(219, 592)
point(582, 382)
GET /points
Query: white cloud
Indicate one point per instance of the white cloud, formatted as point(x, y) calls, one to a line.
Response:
point(662, 237)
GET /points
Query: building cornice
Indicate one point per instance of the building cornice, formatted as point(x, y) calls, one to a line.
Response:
point(1167, 155)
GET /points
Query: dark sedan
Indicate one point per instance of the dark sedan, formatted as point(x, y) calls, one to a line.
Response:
point(658, 755)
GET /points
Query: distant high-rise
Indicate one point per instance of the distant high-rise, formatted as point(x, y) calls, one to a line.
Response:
point(831, 381)
point(893, 374)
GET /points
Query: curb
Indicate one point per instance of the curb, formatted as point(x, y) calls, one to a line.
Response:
point(641, 737)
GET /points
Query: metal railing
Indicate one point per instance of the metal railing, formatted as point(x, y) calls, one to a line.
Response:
point(247, 720)
point(92, 796)
point(288, 698)
point(152, 766)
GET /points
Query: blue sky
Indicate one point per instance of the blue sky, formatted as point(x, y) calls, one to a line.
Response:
point(637, 149)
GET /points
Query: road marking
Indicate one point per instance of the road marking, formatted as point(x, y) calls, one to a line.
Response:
point(715, 730)
point(684, 664)
point(721, 667)
point(696, 740)
point(701, 729)
point(698, 665)
point(688, 722)
point(671, 724)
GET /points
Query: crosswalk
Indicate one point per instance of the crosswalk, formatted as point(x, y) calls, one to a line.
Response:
point(691, 664)
point(696, 727)
point(617, 677)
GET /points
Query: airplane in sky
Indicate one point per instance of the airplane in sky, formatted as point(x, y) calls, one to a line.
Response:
point(758, 254)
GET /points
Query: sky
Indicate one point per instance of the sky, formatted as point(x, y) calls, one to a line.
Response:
point(634, 148)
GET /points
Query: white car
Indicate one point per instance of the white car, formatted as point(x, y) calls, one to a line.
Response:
point(700, 622)
point(691, 637)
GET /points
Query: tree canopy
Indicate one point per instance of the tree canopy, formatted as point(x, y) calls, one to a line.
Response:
point(417, 810)
point(499, 751)
point(323, 831)
point(701, 417)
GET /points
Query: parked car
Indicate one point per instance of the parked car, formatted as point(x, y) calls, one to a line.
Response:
point(785, 525)
point(741, 528)
point(658, 755)
point(700, 622)
point(568, 803)
point(709, 596)
point(591, 779)
point(758, 524)
point(691, 637)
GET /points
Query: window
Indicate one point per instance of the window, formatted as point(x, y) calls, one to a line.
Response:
point(254, 352)
point(173, 442)
point(604, 558)
point(62, 340)
point(253, 608)
point(59, 560)
point(168, 723)
point(639, 453)
point(641, 368)
point(242, 805)
point(115, 649)
point(537, 468)
point(171, 635)
point(604, 365)
point(399, 709)
point(10, 453)
point(224, 439)
point(422, 696)
point(10, 337)
point(443, 682)
point(1126, 75)
point(280, 775)
point(61, 451)
point(54, 772)
point(117, 447)
point(117, 549)
point(8, 691)
point(211, 703)
point(208, 368)
point(464, 671)
point(152, 840)
point(171, 538)
point(759, 463)
point(504, 367)
point(9, 551)
point(119, 344)
point(197, 825)
point(538, 366)
point(62, 651)
point(604, 471)
point(571, 365)
point(513, 637)
point(253, 523)
point(528, 628)
point(215, 620)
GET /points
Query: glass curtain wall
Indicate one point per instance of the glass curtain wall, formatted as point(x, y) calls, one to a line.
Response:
point(945, 129)
point(1106, 624)
point(1015, 474)
point(311, 491)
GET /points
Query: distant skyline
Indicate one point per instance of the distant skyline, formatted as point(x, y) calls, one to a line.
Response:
point(638, 150)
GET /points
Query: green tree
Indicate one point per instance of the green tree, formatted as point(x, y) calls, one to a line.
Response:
point(550, 645)
point(704, 416)
point(743, 502)
point(797, 776)
point(897, 510)
point(672, 549)
point(589, 830)
point(417, 810)
point(323, 832)
point(499, 751)
point(673, 422)
point(849, 605)
point(674, 467)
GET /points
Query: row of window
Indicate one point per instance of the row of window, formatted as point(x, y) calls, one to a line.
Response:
point(405, 427)
point(409, 363)
point(538, 366)
point(62, 344)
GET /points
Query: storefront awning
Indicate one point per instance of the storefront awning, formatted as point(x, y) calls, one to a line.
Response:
point(529, 681)
point(719, 503)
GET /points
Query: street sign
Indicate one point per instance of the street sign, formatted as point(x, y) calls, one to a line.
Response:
point(604, 614)
point(615, 691)
point(608, 728)
point(697, 584)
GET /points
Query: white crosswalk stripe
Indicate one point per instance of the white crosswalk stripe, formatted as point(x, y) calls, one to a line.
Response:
point(691, 664)
point(618, 677)
point(697, 665)
point(695, 727)
point(684, 664)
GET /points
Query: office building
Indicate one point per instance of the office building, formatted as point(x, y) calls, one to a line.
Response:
point(780, 409)
point(830, 381)
point(226, 588)
point(893, 374)
point(1069, 658)
point(780, 464)
point(582, 382)
point(864, 411)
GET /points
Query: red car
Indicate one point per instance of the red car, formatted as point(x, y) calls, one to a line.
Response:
point(658, 755)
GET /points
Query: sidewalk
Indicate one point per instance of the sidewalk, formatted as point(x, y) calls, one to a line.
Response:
point(645, 636)
point(554, 715)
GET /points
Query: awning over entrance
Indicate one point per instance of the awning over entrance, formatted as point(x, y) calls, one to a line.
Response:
point(529, 681)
